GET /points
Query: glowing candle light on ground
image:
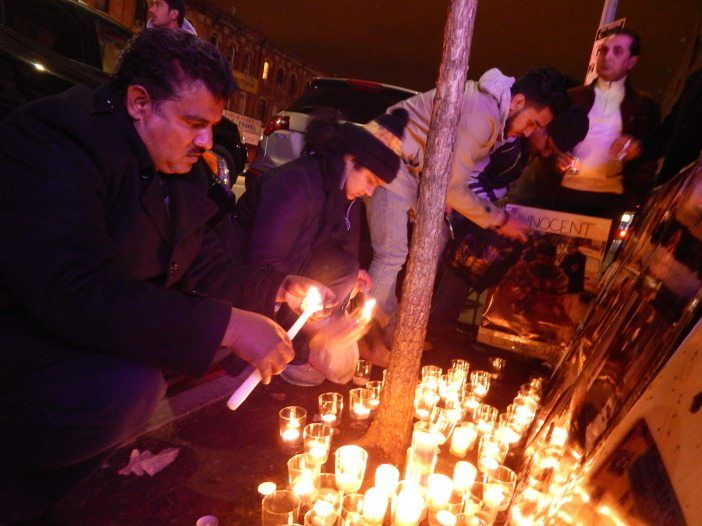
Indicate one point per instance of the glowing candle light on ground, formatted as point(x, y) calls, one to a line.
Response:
point(408, 507)
point(375, 504)
point(304, 485)
point(464, 474)
point(312, 302)
point(445, 518)
point(494, 496)
point(329, 418)
point(266, 488)
point(291, 434)
point(386, 478)
point(463, 439)
point(360, 411)
point(439, 490)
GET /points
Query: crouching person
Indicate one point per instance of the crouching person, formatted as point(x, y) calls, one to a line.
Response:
point(108, 273)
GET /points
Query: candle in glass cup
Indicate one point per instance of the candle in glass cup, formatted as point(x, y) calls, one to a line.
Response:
point(280, 507)
point(362, 372)
point(359, 403)
point(480, 383)
point(442, 421)
point(291, 420)
point(485, 417)
point(317, 442)
point(350, 463)
point(386, 478)
point(464, 474)
point(425, 438)
point(408, 504)
point(301, 472)
point(507, 431)
point(330, 407)
point(374, 387)
point(463, 439)
point(419, 465)
point(352, 510)
point(496, 365)
point(499, 486)
point(326, 490)
point(491, 452)
point(439, 490)
point(425, 398)
point(375, 505)
point(559, 437)
point(458, 363)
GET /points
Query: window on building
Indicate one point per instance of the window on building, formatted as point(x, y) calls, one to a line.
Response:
point(262, 108)
point(246, 63)
point(266, 69)
point(280, 77)
point(241, 102)
point(292, 88)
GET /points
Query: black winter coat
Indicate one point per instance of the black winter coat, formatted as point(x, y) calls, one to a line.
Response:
point(92, 259)
point(296, 211)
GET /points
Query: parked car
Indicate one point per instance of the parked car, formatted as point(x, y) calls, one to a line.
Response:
point(47, 46)
point(359, 101)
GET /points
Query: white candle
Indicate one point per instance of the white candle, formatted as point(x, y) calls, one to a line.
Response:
point(374, 402)
point(311, 303)
point(291, 434)
point(375, 504)
point(408, 507)
point(463, 439)
point(329, 418)
point(317, 453)
point(508, 435)
point(439, 490)
point(361, 411)
point(266, 488)
point(386, 478)
point(445, 518)
point(494, 496)
point(559, 436)
point(464, 474)
point(323, 509)
point(303, 486)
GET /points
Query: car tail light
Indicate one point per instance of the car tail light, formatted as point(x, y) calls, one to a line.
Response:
point(277, 122)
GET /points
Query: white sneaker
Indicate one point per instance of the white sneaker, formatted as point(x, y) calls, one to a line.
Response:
point(304, 375)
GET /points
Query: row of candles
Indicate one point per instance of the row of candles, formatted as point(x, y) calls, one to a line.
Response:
point(449, 409)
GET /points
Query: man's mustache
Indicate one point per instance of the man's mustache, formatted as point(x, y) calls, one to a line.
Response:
point(197, 151)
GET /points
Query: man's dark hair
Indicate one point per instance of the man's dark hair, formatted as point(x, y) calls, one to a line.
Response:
point(161, 60)
point(180, 6)
point(635, 45)
point(543, 88)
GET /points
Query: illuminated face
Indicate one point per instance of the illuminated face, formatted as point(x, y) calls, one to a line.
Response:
point(614, 58)
point(360, 181)
point(162, 15)
point(176, 131)
point(524, 119)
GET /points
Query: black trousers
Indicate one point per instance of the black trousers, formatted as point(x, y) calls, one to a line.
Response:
point(59, 423)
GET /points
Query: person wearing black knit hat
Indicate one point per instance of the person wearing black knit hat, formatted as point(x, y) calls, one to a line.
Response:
point(303, 215)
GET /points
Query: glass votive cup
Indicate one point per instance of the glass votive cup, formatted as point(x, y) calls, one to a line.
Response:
point(442, 422)
point(359, 403)
point(524, 407)
point(425, 438)
point(446, 514)
point(465, 519)
point(464, 474)
point(331, 406)
point(439, 490)
point(431, 371)
point(292, 420)
point(301, 472)
point(498, 489)
point(317, 442)
point(463, 439)
point(386, 478)
point(459, 363)
point(352, 510)
point(326, 490)
point(425, 398)
point(476, 505)
point(471, 402)
point(375, 505)
point(457, 377)
point(375, 388)
point(419, 465)
point(361, 372)
point(527, 507)
point(485, 417)
point(491, 453)
point(407, 504)
point(507, 430)
point(350, 468)
point(497, 365)
point(480, 383)
point(280, 507)
point(449, 384)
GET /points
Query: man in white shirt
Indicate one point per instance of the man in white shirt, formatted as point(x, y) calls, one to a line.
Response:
point(602, 178)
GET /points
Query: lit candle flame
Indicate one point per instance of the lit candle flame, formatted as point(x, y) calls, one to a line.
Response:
point(367, 311)
point(312, 301)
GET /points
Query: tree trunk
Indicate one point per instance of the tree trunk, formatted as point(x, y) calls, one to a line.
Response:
point(391, 430)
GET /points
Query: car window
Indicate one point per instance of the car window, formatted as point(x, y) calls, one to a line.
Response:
point(354, 103)
point(112, 42)
point(52, 24)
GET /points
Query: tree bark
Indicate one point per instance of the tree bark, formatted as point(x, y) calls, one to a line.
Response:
point(391, 430)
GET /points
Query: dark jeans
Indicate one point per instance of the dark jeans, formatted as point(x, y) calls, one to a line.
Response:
point(60, 422)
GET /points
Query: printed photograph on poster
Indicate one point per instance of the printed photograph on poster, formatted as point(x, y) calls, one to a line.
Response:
point(541, 297)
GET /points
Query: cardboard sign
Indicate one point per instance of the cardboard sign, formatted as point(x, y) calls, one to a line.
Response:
point(602, 33)
point(542, 297)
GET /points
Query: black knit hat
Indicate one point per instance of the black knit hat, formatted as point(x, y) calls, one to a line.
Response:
point(568, 128)
point(378, 144)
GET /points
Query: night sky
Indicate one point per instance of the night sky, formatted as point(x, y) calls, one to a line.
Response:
point(399, 41)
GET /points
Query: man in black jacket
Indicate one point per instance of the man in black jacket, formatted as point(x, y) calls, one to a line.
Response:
point(108, 273)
